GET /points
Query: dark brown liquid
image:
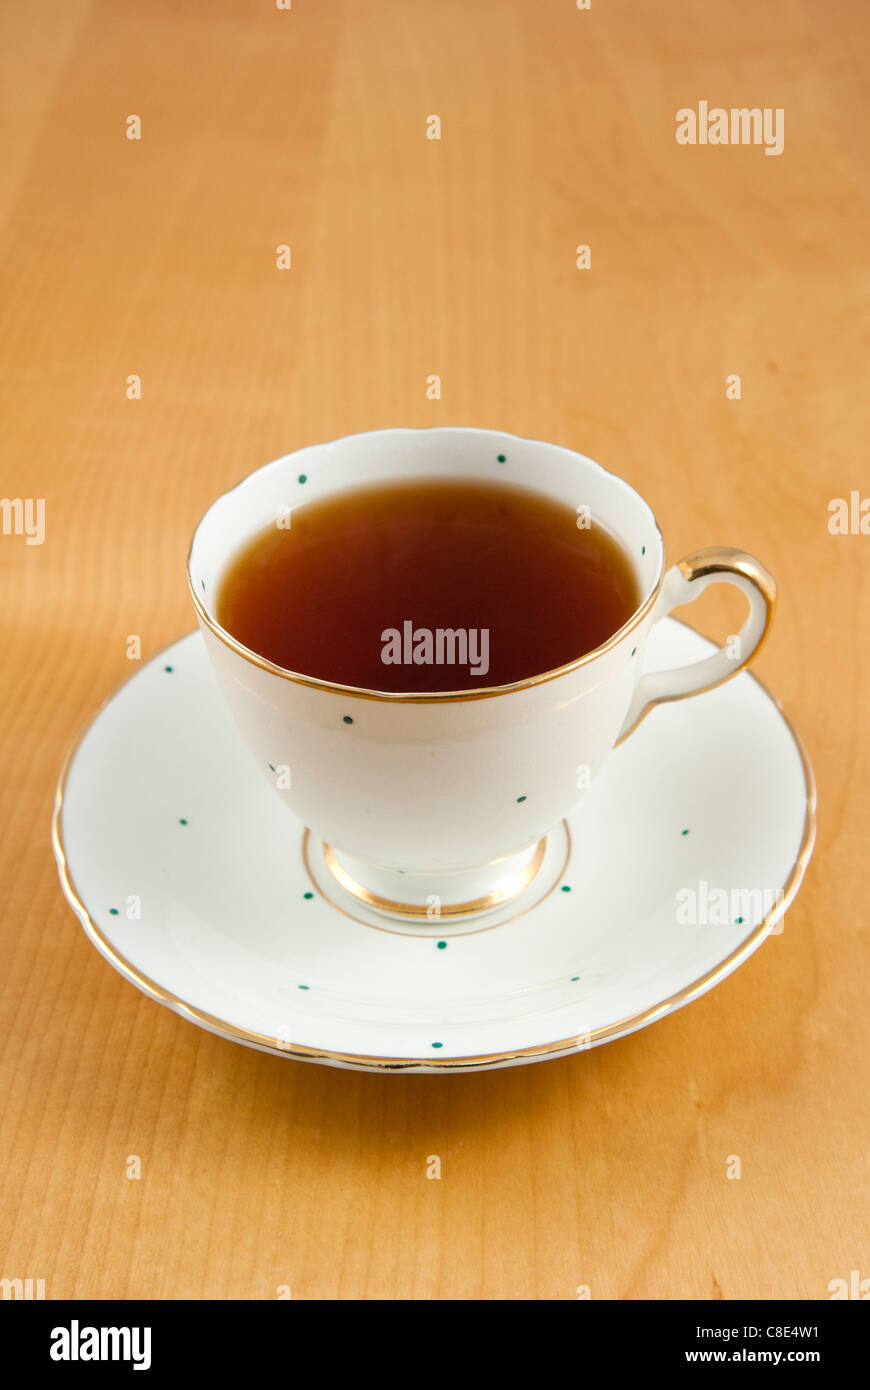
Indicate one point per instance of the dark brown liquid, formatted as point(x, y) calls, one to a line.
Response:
point(417, 556)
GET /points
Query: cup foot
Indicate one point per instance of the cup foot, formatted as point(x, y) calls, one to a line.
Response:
point(431, 896)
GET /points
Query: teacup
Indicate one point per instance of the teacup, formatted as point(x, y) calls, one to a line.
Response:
point(446, 799)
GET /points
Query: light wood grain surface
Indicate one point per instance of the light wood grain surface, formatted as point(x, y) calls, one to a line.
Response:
point(411, 257)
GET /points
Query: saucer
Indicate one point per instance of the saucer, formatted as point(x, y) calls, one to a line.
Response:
point(198, 886)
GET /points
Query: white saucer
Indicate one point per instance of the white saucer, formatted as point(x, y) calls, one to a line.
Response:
point(160, 805)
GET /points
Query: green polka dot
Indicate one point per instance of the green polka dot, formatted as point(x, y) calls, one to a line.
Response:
point(273, 767)
point(202, 582)
point(502, 458)
point(347, 719)
point(739, 920)
point(574, 979)
point(520, 798)
point(168, 668)
point(633, 650)
point(303, 477)
point(643, 550)
point(303, 986)
point(437, 1044)
point(442, 945)
point(685, 832)
point(308, 895)
point(566, 888)
point(114, 911)
point(182, 821)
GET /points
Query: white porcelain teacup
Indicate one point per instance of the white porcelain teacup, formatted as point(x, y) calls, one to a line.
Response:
point(448, 797)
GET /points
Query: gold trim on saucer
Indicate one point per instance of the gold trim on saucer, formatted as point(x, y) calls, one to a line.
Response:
point(366, 1062)
point(405, 910)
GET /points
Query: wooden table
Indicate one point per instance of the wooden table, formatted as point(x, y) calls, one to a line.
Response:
point(155, 258)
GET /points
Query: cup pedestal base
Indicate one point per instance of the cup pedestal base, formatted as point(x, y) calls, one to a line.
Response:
point(429, 896)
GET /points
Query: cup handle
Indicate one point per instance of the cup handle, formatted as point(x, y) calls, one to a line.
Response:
point(685, 582)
